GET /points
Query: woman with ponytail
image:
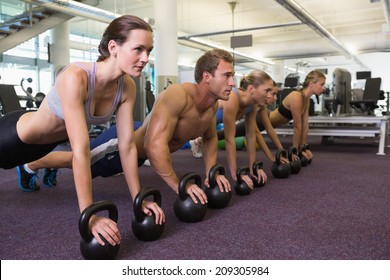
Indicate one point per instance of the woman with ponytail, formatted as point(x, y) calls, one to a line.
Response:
point(243, 104)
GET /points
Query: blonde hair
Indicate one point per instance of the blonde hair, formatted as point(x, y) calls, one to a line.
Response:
point(254, 78)
point(313, 76)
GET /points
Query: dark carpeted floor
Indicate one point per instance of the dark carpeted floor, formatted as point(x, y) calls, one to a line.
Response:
point(336, 208)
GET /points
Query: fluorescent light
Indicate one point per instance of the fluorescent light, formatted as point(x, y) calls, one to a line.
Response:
point(76, 9)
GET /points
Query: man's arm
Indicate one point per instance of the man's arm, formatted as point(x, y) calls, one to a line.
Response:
point(128, 150)
point(162, 124)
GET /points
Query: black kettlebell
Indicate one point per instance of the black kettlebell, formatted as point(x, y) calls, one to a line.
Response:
point(89, 247)
point(241, 187)
point(144, 227)
point(304, 160)
point(215, 198)
point(279, 169)
point(255, 167)
point(294, 164)
point(184, 207)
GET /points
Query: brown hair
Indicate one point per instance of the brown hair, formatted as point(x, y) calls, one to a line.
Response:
point(255, 78)
point(119, 30)
point(313, 76)
point(209, 62)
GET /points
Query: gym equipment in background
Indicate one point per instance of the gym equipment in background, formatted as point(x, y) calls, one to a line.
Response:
point(342, 92)
point(371, 96)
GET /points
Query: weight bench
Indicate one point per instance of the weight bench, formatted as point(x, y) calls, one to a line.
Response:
point(9, 100)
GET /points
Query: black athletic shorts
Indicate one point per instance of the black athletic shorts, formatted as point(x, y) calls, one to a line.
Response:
point(13, 151)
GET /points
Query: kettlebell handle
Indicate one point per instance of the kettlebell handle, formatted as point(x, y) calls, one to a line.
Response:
point(292, 151)
point(257, 165)
point(140, 197)
point(240, 171)
point(92, 209)
point(280, 153)
point(216, 168)
point(184, 181)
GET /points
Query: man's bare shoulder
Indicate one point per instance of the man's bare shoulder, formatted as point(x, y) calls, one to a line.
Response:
point(189, 86)
point(178, 92)
point(185, 88)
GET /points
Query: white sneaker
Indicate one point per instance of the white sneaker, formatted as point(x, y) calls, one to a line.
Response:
point(196, 149)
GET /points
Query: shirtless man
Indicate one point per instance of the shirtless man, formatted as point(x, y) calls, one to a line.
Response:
point(180, 113)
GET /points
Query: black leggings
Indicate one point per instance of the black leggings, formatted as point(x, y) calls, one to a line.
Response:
point(13, 151)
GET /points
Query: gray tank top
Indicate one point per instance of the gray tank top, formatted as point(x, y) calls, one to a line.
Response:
point(249, 108)
point(55, 105)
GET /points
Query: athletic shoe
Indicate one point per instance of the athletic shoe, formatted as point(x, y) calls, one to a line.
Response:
point(49, 177)
point(27, 180)
point(196, 149)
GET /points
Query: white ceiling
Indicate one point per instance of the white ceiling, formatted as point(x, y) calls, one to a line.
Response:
point(358, 25)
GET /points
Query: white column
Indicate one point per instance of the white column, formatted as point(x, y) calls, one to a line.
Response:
point(278, 76)
point(59, 47)
point(165, 43)
point(279, 73)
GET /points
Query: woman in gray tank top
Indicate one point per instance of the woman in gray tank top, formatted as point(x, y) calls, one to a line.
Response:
point(83, 94)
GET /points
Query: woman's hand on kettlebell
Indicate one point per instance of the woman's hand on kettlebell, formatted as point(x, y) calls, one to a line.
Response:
point(206, 182)
point(309, 154)
point(295, 157)
point(196, 193)
point(284, 160)
point(106, 228)
point(150, 207)
point(247, 180)
point(261, 176)
point(305, 154)
point(223, 183)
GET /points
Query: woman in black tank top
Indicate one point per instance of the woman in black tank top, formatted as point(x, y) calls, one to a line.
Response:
point(295, 106)
point(298, 103)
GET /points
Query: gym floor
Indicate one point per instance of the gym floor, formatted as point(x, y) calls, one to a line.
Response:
point(336, 208)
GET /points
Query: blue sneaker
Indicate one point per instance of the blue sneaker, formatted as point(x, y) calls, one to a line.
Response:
point(49, 179)
point(27, 181)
